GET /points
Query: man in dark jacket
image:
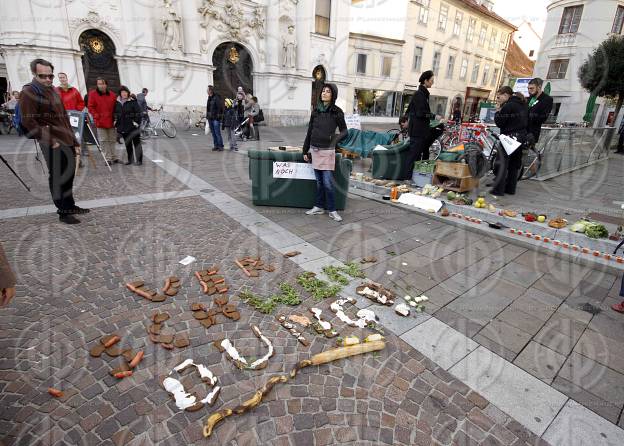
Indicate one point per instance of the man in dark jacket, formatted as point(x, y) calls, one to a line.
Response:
point(620, 146)
point(419, 115)
point(128, 116)
point(511, 118)
point(45, 118)
point(540, 106)
point(214, 115)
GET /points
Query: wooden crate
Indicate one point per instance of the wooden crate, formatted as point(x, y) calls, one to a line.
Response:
point(465, 184)
point(453, 170)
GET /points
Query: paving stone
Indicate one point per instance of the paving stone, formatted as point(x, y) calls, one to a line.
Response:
point(504, 334)
point(540, 361)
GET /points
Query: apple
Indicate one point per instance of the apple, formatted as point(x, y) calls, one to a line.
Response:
point(541, 218)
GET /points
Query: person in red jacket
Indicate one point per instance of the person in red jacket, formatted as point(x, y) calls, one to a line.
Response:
point(102, 103)
point(72, 99)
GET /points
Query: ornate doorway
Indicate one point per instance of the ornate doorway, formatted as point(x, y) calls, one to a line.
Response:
point(319, 76)
point(98, 59)
point(233, 69)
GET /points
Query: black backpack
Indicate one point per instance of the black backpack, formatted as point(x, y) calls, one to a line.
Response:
point(260, 117)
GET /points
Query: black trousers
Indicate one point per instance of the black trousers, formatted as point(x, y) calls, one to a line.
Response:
point(134, 149)
point(418, 150)
point(509, 180)
point(620, 146)
point(61, 170)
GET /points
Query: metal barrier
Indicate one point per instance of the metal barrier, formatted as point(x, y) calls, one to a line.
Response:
point(570, 148)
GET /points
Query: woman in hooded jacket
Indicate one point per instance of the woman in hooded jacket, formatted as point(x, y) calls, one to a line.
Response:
point(128, 116)
point(320, 148)
point(512, 119)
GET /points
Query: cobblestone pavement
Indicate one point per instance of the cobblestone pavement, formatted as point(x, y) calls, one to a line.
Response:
point(71, 293)
point(550, 317)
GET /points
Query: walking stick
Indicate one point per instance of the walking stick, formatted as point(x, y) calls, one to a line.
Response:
point(14, 173)
point(318, 359)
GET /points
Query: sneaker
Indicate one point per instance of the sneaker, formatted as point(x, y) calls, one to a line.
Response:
point(334, 216)
point(315, 211)
point(68, 219)
point(215, 149)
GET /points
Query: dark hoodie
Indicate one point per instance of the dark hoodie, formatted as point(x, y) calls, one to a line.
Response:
point(323, 124)
point(512, 118)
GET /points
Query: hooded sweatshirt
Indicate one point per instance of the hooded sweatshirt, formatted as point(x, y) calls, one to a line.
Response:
point(323, 124)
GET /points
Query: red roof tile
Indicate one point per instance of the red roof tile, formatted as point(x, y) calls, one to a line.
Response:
point(517, 63)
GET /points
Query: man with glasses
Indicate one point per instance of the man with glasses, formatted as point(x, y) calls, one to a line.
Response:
point(45, 119)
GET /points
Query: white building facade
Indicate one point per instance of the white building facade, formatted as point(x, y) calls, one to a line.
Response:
point(574, 28)
point(278, 50)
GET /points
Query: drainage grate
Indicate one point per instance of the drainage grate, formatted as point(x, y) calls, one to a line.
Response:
point(589, 308)
point(206, 191)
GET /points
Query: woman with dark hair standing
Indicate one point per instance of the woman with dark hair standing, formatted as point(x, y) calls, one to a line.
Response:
point(128, 116)
point(419, 115)
point(512, 119)
point(321, 140)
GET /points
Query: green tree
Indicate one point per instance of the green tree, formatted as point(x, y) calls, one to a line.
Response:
point(602, 73)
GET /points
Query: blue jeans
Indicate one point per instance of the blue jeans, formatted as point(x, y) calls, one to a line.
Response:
point(325, 190)
point(215, 129)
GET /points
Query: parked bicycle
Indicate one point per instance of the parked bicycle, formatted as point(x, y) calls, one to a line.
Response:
point(149, 130)
point(191, 121)
point(6, 121)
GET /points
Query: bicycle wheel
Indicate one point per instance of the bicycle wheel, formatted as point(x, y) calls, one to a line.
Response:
point(146, 133)
point(531, 168)
point(498, 164)
point(169, 129)
point(435, 149)
point(186, 124)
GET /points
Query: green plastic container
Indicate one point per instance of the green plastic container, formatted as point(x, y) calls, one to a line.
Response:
point(289, 192)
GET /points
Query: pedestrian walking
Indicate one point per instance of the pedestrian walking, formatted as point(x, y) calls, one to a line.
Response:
point(7, 280)
point(214, 115)
point(128, 116)
point(240, 104)
point(540, 106)
point(44, 118)
point(102, 102)
point(512, 119)
point(12, 103)
point(71, 97)
point(252, 109)
point(320, 149)
point(457, 117)
point(419, 115)
point(620, 146)
point(145, 109)
point(230, 123)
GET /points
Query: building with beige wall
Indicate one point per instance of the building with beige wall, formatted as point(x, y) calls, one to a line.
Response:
point(464, 43)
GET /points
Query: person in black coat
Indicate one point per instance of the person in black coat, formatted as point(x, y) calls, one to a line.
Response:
point(540, 106)
point(511, 118)
point(214, 116)
point(419, 115)
point(128, 115)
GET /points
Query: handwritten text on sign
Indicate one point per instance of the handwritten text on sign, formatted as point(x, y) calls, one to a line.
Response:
point(296, 171)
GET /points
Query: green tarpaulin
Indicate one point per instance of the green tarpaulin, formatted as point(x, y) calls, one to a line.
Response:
point(589, 108)
point(363, 142)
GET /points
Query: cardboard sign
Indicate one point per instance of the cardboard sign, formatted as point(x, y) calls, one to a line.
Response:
point(353, 122)
point(294, 171)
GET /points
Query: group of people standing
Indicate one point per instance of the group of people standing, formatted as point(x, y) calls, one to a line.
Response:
point(230, 114)
point(43, 109)
point(515, 117)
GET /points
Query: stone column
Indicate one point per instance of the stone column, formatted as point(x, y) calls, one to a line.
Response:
point(273, 40)
point(304, 23)
point(190, 25)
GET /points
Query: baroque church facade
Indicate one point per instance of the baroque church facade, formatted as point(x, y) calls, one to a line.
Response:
point(279, 50)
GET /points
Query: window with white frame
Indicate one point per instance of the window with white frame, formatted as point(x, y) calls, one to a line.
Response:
point(459, 18)
point(418, 52)
point(486, 74)
point(571, 19)
point(322, 17)
point(472, 25)
point(386, 66)
point(503, 42)
point(443, 17)
point(493, 39)
point(437, 55)
point(423, 11)
point(475, 72)
point(619, 20)
point(450, 67)
point(463, 71)
point(361, 63)
point(483, 34)
point(495, 77)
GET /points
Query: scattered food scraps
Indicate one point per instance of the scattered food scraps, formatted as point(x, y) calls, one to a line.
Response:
point(226, 346)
